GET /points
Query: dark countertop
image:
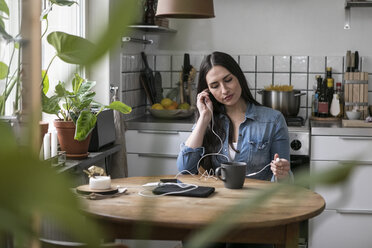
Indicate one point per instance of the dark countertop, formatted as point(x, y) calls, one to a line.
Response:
point(148, 122)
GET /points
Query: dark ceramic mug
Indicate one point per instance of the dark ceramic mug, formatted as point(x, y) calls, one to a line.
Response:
point(232, 174)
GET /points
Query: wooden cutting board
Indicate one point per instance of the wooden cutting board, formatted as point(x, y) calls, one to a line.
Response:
point(356, 123)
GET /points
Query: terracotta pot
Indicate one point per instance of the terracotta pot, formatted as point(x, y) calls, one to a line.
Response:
point(73, 148)
point(44, 126)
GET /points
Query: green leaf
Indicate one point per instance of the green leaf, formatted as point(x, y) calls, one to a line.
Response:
point(4, 7)
point(3, 70)
point(84, 125)
point(63, 2)
point(45, 81)
point(86, 86)
point(50, 105)
point(60, 90)
point(119, 106)
point(70, 48)
point(2, 24)
point(5, 34)
point(76, 83)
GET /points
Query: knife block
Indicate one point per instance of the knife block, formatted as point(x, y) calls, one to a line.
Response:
point(356, 92)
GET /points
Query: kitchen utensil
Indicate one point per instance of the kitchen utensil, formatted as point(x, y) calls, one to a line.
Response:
point(158, 87)
point(353, 115)
point(348, 61)
point(356, 62)
point(287, 102)
point(352, 61)
point(148, 77)
point(184, 78)
point(145, 85)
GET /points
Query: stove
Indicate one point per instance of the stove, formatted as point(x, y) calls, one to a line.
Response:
point(299, 136)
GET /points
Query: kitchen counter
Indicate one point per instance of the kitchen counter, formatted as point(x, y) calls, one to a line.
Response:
point(148, 122)
point(335, 128)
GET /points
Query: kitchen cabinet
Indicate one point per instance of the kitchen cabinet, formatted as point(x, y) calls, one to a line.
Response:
point(153, 152)
point(347, 219)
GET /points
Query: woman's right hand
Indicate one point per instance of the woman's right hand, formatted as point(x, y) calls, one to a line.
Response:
point(204, 105)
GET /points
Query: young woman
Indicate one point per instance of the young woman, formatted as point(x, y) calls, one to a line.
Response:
point(249, 132)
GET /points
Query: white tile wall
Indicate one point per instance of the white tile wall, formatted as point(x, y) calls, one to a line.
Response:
point(316, 64)
point(265, 63)
point(282, 63)
point(260, 71)
point(299, 63)
point(248, 63)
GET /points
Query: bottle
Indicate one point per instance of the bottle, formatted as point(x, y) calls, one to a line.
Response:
point(330, 85)
point(149, 15)
point(323, 103)
point(335, 106)
point(315, 99)
point(341, 98)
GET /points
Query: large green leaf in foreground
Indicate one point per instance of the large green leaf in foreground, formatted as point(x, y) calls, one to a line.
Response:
point(33, 188)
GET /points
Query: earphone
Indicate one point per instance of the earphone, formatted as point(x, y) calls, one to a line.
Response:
point(218, 153)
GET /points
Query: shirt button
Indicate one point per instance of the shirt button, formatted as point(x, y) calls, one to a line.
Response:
point(240, 135)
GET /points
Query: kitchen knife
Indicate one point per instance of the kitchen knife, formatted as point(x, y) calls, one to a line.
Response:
point(356, 63)
point(148, 77)
point(352, 61)
point(348, 61)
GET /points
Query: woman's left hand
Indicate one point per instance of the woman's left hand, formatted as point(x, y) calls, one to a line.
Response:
point(280, 167)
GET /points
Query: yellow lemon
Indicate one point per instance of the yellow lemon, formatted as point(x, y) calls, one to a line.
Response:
point(166, 102)
point(184, 105)
point(157, 106)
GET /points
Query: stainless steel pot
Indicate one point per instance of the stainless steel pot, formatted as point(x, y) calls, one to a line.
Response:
point(287, 102)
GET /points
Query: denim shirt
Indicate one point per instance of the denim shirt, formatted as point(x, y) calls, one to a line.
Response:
point(262, 134)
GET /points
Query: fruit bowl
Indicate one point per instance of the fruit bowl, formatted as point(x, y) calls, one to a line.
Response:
point(172, 114)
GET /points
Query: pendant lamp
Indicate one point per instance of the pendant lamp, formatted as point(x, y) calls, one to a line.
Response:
point(185, 9)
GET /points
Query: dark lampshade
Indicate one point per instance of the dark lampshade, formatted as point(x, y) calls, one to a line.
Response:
point(185, 9)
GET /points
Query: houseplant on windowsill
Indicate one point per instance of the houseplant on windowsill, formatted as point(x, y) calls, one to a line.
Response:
point(76, 118)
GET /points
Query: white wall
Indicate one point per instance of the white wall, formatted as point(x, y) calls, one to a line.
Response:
point(273, 27)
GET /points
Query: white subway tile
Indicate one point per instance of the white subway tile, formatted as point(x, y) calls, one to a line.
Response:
point(281, 78)
point(299, 81)
point(151, 61)
point(175, 79)
point(299, 63)
point(303, 99)
point(177, 62)
point(264, 63)
point(257, 96)
point(281, 63)
point(367, 64)
point(317, 64)
point(264, 79)
point(251, 79)
point(163, 63)
point(166, 79)
point(336, 63)
point(248, 63)
point(195, 60)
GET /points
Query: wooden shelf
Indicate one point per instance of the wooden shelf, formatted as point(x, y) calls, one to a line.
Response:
point(153, 28)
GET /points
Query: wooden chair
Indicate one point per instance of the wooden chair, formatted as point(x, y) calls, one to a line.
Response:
point(48, 243)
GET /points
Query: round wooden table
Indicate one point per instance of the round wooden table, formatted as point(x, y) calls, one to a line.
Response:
point(274, 221)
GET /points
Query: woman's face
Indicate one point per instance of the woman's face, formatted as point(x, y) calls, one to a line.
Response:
point(223, 85)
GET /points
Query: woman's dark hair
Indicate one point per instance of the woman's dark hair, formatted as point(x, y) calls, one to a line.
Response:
point(210, 142)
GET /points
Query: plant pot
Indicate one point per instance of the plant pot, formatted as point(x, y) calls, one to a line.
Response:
point(44, 126)
point(66, 132)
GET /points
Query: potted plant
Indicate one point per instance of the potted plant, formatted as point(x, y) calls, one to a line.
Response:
point(77, 114)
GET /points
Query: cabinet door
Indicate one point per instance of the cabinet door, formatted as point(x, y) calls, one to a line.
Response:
point(353, 194)
point(334, 229)
point(158, 142)
point(149, 165)
point(341, 148)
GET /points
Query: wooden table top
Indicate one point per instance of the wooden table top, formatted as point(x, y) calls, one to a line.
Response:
point(284, 207)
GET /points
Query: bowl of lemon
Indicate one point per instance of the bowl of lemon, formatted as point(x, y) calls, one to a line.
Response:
point(169, 109)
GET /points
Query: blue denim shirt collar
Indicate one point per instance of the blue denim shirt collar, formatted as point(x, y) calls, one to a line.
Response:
point(250, 113)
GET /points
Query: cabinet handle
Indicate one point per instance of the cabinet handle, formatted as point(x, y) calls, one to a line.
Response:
point(354, 211)
point(355, 138)
point(158, 132)
point(157, 155)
